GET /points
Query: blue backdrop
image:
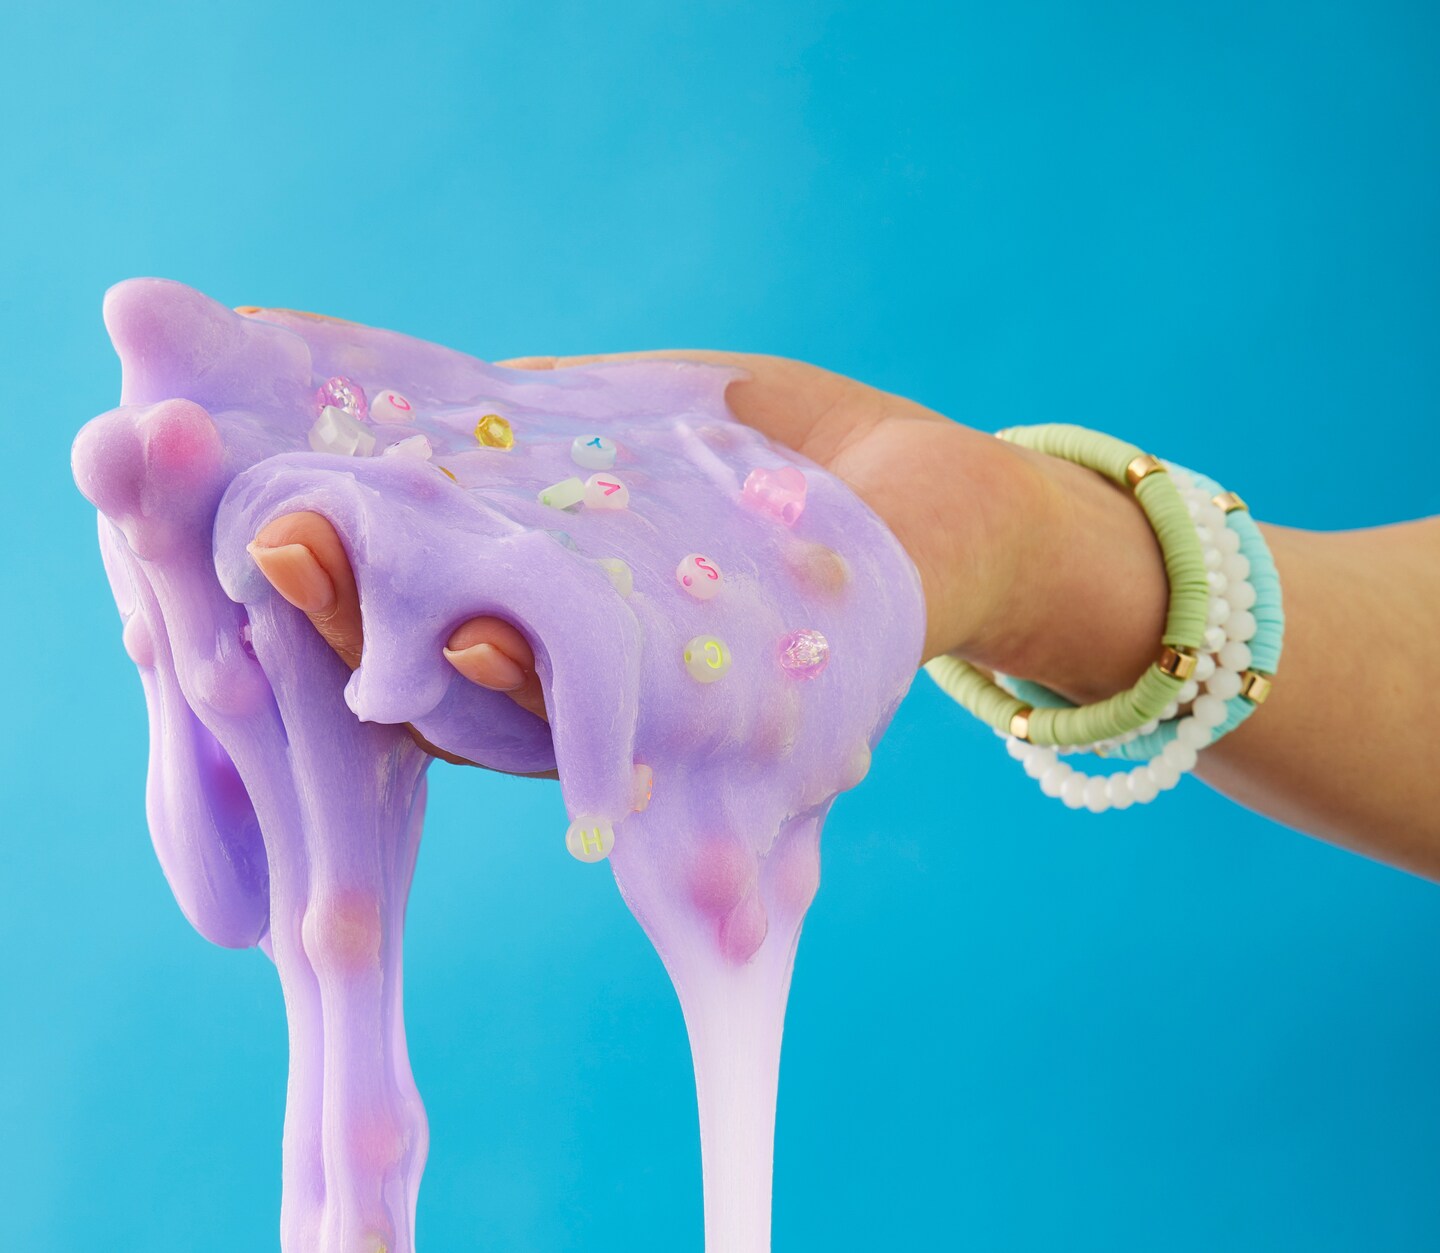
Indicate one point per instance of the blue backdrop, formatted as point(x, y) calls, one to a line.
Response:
point(1210, 228)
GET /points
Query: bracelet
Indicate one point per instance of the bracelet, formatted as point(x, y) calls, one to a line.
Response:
point(1241, 672)
point(1237, 667)
point(1231, 672)
point(1184, 635)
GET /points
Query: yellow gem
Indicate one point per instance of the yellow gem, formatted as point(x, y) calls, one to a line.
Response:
point(494, 432)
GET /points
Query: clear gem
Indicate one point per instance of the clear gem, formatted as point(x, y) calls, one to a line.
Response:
point(804, 653)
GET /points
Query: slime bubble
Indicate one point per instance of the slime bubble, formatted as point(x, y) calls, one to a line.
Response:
point(285, 796)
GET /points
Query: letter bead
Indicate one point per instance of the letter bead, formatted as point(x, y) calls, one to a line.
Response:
point(706, 658)
point(565, 494)
point(605, 491)
point(594, 452)
point(699, 576)
point(391, 407)
point(590, 838)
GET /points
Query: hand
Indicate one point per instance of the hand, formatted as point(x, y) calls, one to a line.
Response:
point(1010, 545)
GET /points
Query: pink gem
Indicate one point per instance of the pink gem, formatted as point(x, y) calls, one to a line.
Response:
point(780, 493)
point(343, 393)
point(804, 653)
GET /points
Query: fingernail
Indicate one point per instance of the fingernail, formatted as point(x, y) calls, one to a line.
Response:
point(488, 666)
point(294, 572)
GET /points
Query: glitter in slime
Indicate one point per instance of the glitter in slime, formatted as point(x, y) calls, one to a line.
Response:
point(699, 741)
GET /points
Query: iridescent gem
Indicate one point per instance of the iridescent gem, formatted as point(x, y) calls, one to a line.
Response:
point(804, 653)
point(492, 431)
point(590, 838)
point(780, 493)
point(706, 658)
point(594, 452)
point(344, 394)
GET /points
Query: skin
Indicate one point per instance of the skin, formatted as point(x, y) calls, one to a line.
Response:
point(1041, 569)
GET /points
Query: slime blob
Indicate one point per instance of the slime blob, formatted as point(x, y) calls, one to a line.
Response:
point(699, 739)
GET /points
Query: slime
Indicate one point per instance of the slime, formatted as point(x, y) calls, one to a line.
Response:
point(722, 631)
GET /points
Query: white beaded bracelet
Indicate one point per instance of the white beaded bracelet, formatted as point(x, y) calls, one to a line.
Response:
point(1218, 678)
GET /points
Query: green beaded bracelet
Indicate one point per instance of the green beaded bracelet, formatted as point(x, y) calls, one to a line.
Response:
point(1125, 465)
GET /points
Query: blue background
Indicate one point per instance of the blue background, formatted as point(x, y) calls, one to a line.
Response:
point(1210, 228)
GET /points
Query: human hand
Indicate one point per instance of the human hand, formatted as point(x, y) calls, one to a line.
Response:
point(1013, 549)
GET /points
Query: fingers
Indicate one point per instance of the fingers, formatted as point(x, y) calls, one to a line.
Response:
point(304, 560)
point(306, 563)
point(812, 410)
point(494, 654)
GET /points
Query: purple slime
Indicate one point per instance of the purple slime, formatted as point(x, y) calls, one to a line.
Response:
point(285, 798)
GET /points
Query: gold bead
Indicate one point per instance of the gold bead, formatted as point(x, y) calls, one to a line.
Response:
point(1229, 502)
point(1020, 723)
point(1178, 663)
point(1256, 687)
point(493, 431)
point(1142, 466)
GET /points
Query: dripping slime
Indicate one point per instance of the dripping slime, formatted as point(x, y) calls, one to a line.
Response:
point(701, 722)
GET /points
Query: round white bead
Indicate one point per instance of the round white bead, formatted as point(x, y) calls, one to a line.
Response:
point(1209, 711)
point(1189, 690)
point(1219, 584)
point(1203, 534)
point(1192, 732)
point(1117, 788)
point(1235, 655)
point(1212, 516)
point(1072, 791)
point(1241, 596)
point(1214, 639)
point(1169, 711)
point(1053, 780)
point(1219, 610)
point(1097, 795)
point(1204, 667)
point(1142, 786)
point(1150, 727)
point(1180, 755)
point(1213, 560)
point(1017, 749)
point(1228, 541)
point(1241, 625)
point(1037, 761)
point(1164, 772)
point(1225, 684)
point(1236, 567)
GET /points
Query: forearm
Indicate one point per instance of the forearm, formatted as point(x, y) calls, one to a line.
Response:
point(1348, 745)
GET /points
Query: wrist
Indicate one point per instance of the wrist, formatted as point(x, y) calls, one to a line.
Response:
point(1080, 591)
